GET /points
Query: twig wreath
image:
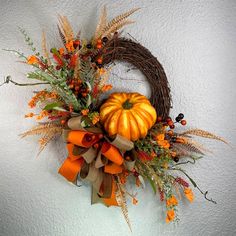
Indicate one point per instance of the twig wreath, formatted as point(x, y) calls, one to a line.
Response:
point(127, 136)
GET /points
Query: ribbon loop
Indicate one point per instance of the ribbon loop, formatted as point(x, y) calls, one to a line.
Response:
point(89, 155)
point(112, 153)
point(121, 142)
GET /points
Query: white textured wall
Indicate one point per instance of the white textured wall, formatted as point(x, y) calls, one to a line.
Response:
point(196, 43)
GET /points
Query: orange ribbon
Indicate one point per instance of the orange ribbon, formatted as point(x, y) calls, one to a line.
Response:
point(97, 165)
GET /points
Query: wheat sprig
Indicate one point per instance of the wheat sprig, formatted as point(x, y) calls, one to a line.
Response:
point(66, 28)
point(116, 21)
point(43, 129)
point(115, 27)
point(121, 200)
point(44, 141)
point(61, 35)
point(101, 23)
point(44, 48)
point(204, 134)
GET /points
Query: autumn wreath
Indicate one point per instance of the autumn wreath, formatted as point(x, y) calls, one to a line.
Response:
point(127, 136)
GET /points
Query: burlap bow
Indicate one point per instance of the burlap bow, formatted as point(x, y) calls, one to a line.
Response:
point(96, 158)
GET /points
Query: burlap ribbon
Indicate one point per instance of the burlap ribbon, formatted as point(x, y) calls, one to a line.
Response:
point(95, 158)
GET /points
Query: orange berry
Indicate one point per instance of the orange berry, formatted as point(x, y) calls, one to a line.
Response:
point(99, 60)
point(63, 122)
point(99, 46)
point(183, 122)
point(99, 41)
point(173, 154)
point(96, 145)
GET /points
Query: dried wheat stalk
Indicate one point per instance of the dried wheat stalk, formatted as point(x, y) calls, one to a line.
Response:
point(117, 20)
point(204, 134)
point(121, 200)
point(115, 27)
point(66, 28)
point(42, 129)
point(101, 23)
point(44, 48)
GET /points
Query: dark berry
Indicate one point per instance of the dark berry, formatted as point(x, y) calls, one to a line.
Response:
point(104, 39)
point(178, 119)
point(173, 139)
point(181, 116)
point(89, 45)
point(172, 126)
point(99, 66)
point(168, 119)
point(136, 174)
point(67, 56)
point(58, 67)
point(176, 159)
point(88, 138)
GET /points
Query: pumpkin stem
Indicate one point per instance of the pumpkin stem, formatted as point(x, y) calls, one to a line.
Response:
point(127, 105)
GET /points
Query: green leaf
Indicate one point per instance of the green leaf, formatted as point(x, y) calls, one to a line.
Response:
point(52, 106)
point(152, 184)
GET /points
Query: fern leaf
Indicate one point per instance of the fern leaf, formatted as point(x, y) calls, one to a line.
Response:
point(121, 200)
point(188, 148)
point(204, 134)
point(117, 20)
point(61, 35)
point(101, 23)
point(117, 26)
point(44, 48)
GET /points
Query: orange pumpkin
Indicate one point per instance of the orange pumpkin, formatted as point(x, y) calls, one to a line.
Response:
point(128, 114)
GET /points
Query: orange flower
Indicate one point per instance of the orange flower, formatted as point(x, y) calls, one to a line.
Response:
point(32, 103)
point(106, 87)
point(32, 60)
point(172, 201)
point(42, 114)
point(95, 119)
point(160, 137)
point(85, 112)
point(135, 201)
point(69, 46)
point(164, 143)
point(170, 215)
point(61, 51)
point(101, 71)
point(29, 115)
point(189, 194)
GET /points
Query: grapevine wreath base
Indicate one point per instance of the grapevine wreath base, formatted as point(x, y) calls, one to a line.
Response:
point(125, 137)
